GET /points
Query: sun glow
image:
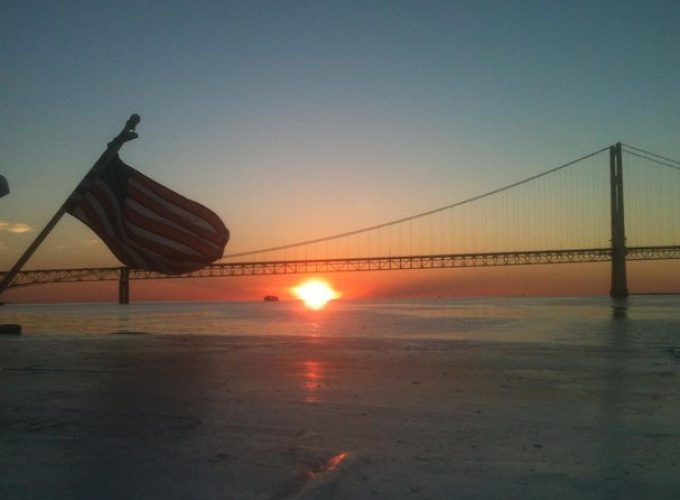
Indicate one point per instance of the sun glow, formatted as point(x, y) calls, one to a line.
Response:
point(315, 293)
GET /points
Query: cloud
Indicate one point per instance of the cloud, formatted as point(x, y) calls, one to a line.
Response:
point(15, 227)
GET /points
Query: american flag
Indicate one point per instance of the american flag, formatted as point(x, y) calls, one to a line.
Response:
point(146, 225)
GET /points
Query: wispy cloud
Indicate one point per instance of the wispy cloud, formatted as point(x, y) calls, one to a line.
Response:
point(15, 227)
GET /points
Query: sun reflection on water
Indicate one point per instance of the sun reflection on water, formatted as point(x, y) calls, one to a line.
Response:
point(313, 375)
point(335, 461)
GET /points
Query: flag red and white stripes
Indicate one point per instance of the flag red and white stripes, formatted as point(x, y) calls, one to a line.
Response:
point(148, 226)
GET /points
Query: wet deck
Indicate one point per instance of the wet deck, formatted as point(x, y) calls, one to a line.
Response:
point(142, 416)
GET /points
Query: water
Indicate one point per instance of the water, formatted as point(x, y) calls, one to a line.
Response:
point(653, 320)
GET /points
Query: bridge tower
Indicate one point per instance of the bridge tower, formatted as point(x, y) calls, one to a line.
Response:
point(619, 287)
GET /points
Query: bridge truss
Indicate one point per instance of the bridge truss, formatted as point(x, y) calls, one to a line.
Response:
point(312, 266)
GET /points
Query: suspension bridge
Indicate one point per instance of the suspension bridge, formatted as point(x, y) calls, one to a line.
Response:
point(572, 213)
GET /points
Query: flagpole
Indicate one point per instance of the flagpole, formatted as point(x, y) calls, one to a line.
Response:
point(127, 134)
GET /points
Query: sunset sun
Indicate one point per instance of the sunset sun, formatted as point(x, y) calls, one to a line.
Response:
point(315, 293)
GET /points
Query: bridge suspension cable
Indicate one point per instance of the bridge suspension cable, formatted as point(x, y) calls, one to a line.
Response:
point(652, 198)
point(653, 157)
point(416, 216)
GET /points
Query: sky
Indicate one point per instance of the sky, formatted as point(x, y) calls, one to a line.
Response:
point(298, 119)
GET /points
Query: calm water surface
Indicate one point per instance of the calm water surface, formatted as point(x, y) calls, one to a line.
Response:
point(591, 320)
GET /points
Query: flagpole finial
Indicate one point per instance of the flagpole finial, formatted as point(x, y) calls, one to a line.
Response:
point(128, 133)
point(133, 121)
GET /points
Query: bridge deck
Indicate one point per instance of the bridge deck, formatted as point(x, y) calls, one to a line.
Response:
point(264, 268)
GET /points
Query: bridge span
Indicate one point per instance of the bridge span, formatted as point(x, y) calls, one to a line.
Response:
point(322, 266)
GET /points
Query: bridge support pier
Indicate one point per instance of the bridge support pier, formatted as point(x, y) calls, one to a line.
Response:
point(619, 287)
point(124, 286)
